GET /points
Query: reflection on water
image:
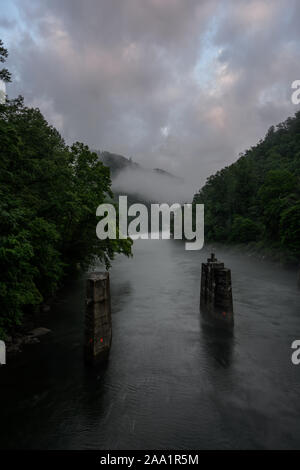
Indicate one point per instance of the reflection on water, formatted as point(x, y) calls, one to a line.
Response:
point(219, 343)
point(171, 381)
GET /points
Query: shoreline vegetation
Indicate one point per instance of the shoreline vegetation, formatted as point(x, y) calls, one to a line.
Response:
point(49, 193)
point(256, 200)
point(257, 251)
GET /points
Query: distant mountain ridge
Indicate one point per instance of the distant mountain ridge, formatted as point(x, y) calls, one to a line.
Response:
point(118, 163)
point(142, 184)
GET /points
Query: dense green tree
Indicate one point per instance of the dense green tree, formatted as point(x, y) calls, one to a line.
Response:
point(4, 73)
point(290, 229)
point(245, 230)
point(256, 199)
point(49, 193)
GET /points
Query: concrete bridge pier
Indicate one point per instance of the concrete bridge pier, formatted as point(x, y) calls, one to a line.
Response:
point(216, 292)
point(98, 325)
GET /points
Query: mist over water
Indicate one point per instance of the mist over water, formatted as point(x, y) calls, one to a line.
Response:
point(171, 381)
point(154, 186)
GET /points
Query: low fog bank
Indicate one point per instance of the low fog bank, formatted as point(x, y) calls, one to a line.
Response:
point(153, 186)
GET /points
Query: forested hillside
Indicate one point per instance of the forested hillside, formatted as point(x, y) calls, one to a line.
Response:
point(257, 199)
point(49, 193)
point(118, 163)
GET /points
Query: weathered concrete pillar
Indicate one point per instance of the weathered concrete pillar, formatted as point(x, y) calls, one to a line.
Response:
point(98, 327)
point(216, 292)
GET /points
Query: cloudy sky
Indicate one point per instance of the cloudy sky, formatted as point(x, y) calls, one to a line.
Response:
point(184, 85)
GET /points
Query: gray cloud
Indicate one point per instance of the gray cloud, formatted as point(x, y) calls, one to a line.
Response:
point(181, 85)
point(153, 187)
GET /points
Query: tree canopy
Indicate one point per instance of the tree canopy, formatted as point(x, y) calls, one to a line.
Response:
point(49, 193)
point(257, 198)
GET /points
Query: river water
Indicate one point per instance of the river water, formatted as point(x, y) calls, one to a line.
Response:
point(172, 381)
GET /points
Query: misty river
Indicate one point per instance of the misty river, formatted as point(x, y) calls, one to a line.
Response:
point(171, 381)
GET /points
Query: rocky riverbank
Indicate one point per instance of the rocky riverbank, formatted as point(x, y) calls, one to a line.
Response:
point(15, 344)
